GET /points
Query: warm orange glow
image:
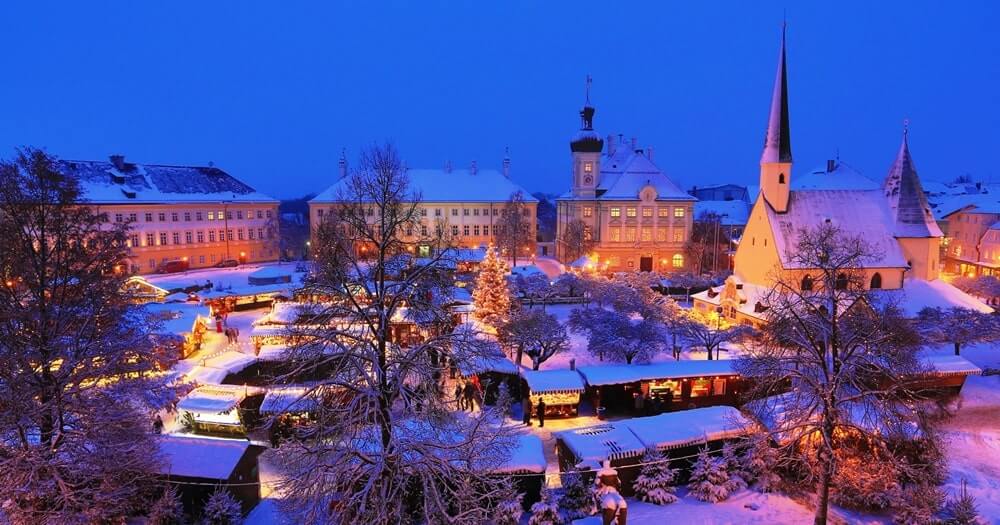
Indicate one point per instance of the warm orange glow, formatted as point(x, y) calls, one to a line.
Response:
point(184, 258)
point(243, 254)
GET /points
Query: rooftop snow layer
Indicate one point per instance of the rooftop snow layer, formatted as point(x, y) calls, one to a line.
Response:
point(200, 457)
point(289, 399)
point(596, 444)
point(918, 294)
point(950, 365)
point(547, 381)
point(527, 455)
point(213, 399)
point(843, 177)
point(600, 375)
point(688, 427)
point(442, 186)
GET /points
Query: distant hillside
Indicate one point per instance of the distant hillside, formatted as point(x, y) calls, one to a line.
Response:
point(299, 205)
point(546, 215)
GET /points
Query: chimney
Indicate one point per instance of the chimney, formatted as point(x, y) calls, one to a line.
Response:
point(342, 163)
point(612, 145)
point(447, 166)
point(635, 144)
point(473, 169)
point(506, 162)
point(831, 165)
point(118, 161)
point(649, 153)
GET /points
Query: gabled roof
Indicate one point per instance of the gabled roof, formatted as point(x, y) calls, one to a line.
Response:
point(842, 177)
point(863, 213)
point(907, 201)
point(624, 173)
point(439, 185)
point(105, 182)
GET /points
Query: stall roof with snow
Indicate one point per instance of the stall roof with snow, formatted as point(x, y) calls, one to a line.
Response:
point(526, 456)
point(918, 294)
point(200, 457)
point(289, 399)
point(689, 427)
point(949, 365)
point(213, 399)
point(593, 445)
point(176, 318)
point(600, 375)
point(553, 381)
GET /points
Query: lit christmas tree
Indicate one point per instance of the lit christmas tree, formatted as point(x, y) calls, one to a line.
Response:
point(491, 296)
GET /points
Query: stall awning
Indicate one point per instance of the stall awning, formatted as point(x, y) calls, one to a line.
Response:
point(950, 365)
point(622, 374)
point(593, 445)
point(553, 381)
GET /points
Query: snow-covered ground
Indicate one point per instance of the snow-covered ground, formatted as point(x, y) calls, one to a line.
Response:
point(744, 507)
point(972, 442)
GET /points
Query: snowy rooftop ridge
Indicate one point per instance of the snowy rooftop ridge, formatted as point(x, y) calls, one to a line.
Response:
point(620, 374)
point(121, 183)
point(526, 456)
point(552, 381)
point(950, 365)
point(440, 185)
point(200, 457)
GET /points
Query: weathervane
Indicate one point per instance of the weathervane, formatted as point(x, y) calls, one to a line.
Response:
point(589, 80)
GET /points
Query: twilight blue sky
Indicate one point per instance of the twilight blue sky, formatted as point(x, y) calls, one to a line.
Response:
point(271, 91)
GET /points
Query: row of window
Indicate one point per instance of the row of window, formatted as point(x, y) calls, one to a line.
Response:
point(676, 261)
point(662, 212)
point(176, 216)
point(841, 282)
point(438, 212)
point(212, 258)
point(615, 234)
point(193, 237)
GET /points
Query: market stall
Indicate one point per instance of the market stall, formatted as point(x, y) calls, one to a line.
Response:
point(560, 389)
point(218, 409)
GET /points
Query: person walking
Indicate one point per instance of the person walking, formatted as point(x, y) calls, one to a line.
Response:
point(541, 412)
point(470, 393)
point(458, 396)
point(526, 410)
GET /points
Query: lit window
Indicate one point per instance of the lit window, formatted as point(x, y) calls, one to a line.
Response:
point(211, 215)
point(616, 212)
point(630, 212)
point(647, 234)
point(678, 212)
point(587, 233)
point(679, 236)
point(588, 167)
point(629, 234)
point(647, 212)
point(615, 234)
point(677, 260)
point(588, 211)
point(661, 235)
point(663, 212)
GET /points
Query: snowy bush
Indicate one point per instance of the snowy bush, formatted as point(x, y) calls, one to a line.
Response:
point(760, 461)
point(709, 479)
point(578, 499)
point(221, 509)
point(655, 483)
point(167, 510)
point(731, 462)
point(509, 510)
point(545, 512)
point(864, 482)
point(961, 509)
point(917, 505)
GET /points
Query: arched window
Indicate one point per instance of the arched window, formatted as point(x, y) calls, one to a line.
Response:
point(781, 178)
point(807, 284)
point(841, 283)
point(678, 260)
point(876, 281)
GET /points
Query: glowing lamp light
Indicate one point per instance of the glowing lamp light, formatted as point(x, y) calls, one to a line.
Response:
point(10, 283)
point(184, 258)
point(243, 254)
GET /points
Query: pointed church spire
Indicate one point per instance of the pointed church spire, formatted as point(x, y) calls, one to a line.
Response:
point(907, 201)
point(778, 141)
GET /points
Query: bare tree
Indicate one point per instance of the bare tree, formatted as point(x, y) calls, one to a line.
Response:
point(707, 249)
point(842, 363)
point(76, 366)
point(958, 326)
point(535, 333)
point(386, 447)
point(577, 239)
point(515, 227)
point(703, 331)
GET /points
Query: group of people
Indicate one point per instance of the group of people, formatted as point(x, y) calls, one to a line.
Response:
point(467, 394)
point(652, 405)
point(233, 334)
point(526, 411)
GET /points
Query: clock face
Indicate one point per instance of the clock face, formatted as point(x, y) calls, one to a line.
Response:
point(588, 179)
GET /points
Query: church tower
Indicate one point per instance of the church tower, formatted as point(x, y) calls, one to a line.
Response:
point(586, 147)
point(914, 226)
point(776, 160)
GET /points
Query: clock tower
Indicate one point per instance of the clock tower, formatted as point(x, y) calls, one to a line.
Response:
point(586, 147)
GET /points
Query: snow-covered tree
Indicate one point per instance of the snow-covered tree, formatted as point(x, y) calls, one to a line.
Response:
point(221, 509)
point(759, 464)
point(535, 333)
point(917, 505)
point(958, 326)
point(709, 480)
point(509, 509)
point(701, 330)
point(385, 445)
point(504, 399)
point(545, 511)
point(491, 295)
point(655, 483)
point(961, 509)
point(168, 509)
point(569, 285)
point(532, 287)
point(514, 237)
point(845, 362)
point(77, 387)
point(615, 336)
point(577, 500)
point(734, 468)
point(577, 240)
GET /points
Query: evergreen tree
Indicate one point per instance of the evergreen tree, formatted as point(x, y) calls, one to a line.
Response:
point(577, 500)
point(708, 479)
point(917, 505)
point(961, 510)
point(655, 483)
point(545, 512)
point(167, 510)
point(491, 296)
point(759, 462)
point(504, 399)
point(509, 509)
point(221, 509)
point(731, 462)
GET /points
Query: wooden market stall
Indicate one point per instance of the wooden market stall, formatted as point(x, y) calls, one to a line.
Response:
point(945, 374)
point(561, 390)
point(526, 466)
point(220, 409)
point(198, 465)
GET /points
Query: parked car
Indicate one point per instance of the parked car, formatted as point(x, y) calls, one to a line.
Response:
point(177, 265)
point(228, 263)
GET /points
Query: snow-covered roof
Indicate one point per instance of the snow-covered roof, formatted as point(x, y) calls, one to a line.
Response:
point(488, 363)
point(103, 182)
point(176, 318)
point(749, 295)
point(918, 294)
point(524, 270)
point(551, 381)
point(595, 444)
point(842, 177)
point(213, 399)
point(689, 427)
point(625, 173)
point(950, 365)
point(978, 203)
point(863, 213)
point(439, 185)
point(233, 281)
point(600, 375)
point(288, 399)
point(270, 272)
point(273, 353)
point(526, 456)
point(732, 213)
point(200, 457)
point(230, 361)
point(907, 201)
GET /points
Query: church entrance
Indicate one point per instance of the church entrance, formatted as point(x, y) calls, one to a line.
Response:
point(645, 264)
